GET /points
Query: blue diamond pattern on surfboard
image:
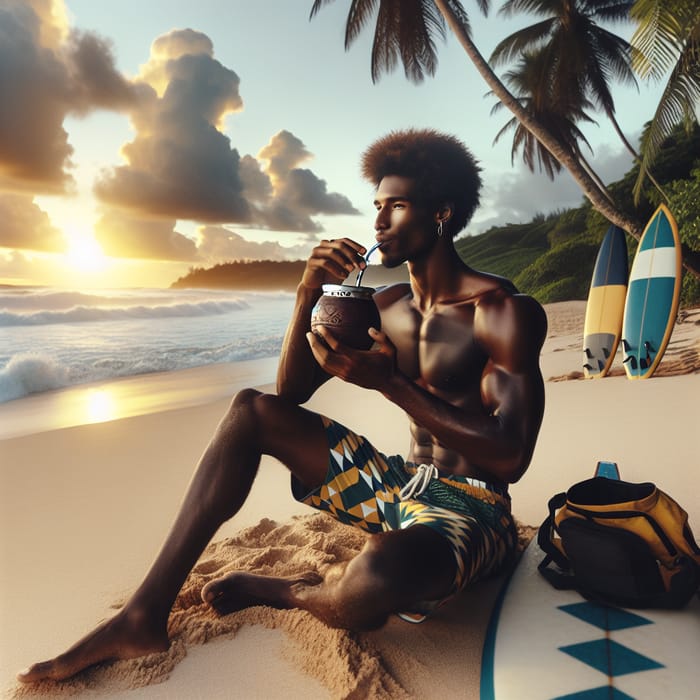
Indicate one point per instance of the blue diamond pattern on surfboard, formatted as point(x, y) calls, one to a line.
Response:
point(610, 658)
point(605, 618)
point(604, 692)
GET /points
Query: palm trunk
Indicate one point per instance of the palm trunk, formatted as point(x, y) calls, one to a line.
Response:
point(596, 195)
point(588, 185)
point(596, 178)
point(637, 157)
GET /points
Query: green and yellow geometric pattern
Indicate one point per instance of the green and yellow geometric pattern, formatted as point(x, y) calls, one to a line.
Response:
point(362, 489)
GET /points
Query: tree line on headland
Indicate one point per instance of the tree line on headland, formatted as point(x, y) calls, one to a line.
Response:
point(551, 257)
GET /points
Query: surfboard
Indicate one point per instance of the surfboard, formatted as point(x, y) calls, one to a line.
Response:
point(653, 294)
point(606, 304)
point(546, 644)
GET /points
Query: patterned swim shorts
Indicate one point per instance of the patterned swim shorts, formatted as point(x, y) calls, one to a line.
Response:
point(363, 489)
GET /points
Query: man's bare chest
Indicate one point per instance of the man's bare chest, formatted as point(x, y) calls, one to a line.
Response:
point(439, 349)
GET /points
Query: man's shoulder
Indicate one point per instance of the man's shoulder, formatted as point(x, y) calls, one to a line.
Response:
point(511, 315)
point(495, 284)
point(510, 300)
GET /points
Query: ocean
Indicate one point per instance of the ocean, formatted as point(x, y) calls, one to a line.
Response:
point(57, 338)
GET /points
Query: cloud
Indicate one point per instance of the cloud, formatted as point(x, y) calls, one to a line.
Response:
point(518, 195)
point(27, 227)
point(217, 244)
point(294, 194)
point(46, 73)
point(179, 165)
point(123, 235)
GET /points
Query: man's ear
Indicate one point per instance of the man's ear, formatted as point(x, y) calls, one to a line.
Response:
point(444, 212)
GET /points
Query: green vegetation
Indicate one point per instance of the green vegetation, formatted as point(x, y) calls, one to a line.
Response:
point(552, 258)
point(255, 274)
point(561, 68)
point(271, 275)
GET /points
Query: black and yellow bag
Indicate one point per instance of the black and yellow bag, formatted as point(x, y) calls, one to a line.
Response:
point(620, 543)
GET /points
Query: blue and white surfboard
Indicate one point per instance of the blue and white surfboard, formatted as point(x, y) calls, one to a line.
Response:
point(653, 294)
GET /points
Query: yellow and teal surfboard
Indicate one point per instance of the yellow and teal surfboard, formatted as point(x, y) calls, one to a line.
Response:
point(653, 295)
point(606, 304)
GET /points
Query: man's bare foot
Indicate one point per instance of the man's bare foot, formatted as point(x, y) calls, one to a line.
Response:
point(119, 638)
point(239, 590)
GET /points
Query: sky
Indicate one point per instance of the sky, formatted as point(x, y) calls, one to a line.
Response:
point(139, 139)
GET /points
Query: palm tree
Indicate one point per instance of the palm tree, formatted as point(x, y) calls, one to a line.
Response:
point(584, 55)
point(525, 81)
point(667, 39)
point(405, 30)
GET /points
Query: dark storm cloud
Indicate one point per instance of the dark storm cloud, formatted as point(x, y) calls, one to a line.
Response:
point(23, 225)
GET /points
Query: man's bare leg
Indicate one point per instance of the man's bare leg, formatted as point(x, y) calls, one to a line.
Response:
point(255, 424)
point(394, 571)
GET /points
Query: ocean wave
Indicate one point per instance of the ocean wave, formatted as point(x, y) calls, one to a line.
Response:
point(30, 374)
point(33, 373)
point(48, 299)
point(81, 314)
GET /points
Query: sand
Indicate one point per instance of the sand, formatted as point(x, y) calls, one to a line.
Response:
point(83, 510)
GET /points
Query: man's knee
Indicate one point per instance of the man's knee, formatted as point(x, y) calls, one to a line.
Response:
point(363, 596)
point(409, 565)
point(251, 405)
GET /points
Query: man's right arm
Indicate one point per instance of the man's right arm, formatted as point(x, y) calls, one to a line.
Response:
point(298, 373)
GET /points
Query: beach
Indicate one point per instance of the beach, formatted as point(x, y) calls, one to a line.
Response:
point(84, 508)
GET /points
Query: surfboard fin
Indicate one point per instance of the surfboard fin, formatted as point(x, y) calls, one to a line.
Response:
point(588, 352)
point(632, 360)
point(587, 366)
point(625, 345)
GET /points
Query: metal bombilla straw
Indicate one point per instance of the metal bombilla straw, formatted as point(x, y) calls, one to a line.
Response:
point(358, 281)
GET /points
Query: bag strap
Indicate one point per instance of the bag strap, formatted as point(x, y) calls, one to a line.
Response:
point(559, 579)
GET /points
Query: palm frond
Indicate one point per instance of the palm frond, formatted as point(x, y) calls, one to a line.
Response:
point(534, 7)
point(678, 102)
point(359, 15)
point(657, 37)
point(526, 39)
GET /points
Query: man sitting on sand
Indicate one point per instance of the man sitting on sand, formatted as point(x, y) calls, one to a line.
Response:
point(458, 352)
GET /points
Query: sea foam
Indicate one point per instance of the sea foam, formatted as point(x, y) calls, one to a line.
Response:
point(29, 374)
point(79, 314)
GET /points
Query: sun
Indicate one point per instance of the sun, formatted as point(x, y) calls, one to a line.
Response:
point(84, 253)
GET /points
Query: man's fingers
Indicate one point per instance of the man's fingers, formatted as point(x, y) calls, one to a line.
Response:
point(329, 339)
point(345, 252)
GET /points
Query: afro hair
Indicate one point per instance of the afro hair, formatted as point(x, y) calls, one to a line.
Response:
point(442, 167)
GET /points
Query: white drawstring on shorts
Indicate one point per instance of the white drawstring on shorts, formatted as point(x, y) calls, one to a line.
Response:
point(419, 482)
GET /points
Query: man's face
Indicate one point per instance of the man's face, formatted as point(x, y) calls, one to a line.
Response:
point(405, 229)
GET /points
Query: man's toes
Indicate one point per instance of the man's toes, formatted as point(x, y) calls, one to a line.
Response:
point(37, 672)
point(211, 592)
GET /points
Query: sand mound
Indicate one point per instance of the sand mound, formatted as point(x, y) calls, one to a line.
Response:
point(349, 665)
